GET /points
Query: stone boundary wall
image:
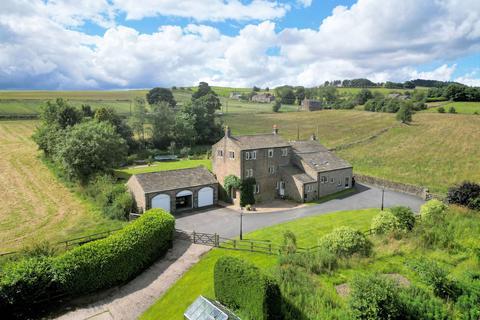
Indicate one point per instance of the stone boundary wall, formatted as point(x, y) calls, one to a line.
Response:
point(348, 145)
point(417, 191)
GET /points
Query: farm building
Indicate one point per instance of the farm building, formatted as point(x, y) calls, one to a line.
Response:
point(311, 105)
point(174, 190)
point(263, 97)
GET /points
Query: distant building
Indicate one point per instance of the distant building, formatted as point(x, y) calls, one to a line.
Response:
point(235, 95)
point(263, 97)
point(397, 96)
point(311, 105)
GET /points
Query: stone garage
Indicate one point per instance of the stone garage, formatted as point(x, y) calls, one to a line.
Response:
point(174, 190)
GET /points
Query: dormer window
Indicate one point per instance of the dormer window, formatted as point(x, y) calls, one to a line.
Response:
point(284, 152)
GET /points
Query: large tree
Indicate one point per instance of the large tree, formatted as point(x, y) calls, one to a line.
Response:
point(60, 114)
point(202, 110)
point(89, 148)
point(157, 95)
point(139, 118)
point(162, 119)
point(203, 90)
point(109, 115)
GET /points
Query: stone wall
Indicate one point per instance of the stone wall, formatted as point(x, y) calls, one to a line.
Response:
point(417, 191)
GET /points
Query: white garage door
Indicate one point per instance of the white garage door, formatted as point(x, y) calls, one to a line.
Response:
point(161, 201)
point(205, 197)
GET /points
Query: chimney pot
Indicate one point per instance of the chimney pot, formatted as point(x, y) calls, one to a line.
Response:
point(313, 137)
point(228, 132)
point(275, 129)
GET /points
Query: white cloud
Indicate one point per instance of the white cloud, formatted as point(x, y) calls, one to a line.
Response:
point(470, 79)
point(203, 10)
point(305, 3)
point(42, 45)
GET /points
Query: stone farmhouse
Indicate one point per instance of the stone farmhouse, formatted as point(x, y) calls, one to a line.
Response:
point(298, 170)
point(263, 97)
point(311, 105)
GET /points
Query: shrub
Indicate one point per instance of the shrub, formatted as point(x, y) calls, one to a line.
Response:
point(437, 277)
point(452, 110)
point(96, 265)
point(416, 303)
point(246, 192)
point(242, 286)
point(405, 216)
point(441, 110)
point(374, 297)
point(40, 249)
point(385, 222)
point(466, 194)
point(321, 261)
point(346, 241)
point(468, 307)
point(289, 242)
point(276, 106)
point(433, 210)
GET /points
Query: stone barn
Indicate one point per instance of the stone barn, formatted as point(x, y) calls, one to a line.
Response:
point(174, 190)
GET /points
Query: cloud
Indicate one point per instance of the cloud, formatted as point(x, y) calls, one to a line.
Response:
point(470, 79)
point(42, 45)
point(203, 10)
point(305, 3)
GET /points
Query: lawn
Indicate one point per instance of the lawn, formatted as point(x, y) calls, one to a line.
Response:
point(199, 279)
point(163, 166)
point(460, 107)
point(390, 256)
point(35, 205)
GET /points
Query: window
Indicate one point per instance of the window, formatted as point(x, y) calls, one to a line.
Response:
point(309, 188)
point(347, 182)
point(339, 184)
point(248, 173)
point(271, 170)
point(256, 188)
point(332, 180)
point(270, 153)
point(250, 155)
point(284, 152)
point(324, 179)
point(220, 153)
point(231, 154)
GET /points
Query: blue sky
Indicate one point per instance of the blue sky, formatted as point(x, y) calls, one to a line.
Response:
point(109, 44)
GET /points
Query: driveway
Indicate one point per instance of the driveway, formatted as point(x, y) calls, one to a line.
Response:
point(225, 222)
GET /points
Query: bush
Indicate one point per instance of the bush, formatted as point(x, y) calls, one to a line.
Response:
point(405, 216)
point(346, 241)
point(242, 286)
point(374, 297)
point(38, 250)
point(416, 303)
point(289, 242)
point(468, 307)
point(321, 261)
point(441, 110)
point(466, 194)
point(385, 222)
point(433, 210)
point(436, 277)
point(246, 192)
point(276, 106)
point(96, 265)
point(452, 110)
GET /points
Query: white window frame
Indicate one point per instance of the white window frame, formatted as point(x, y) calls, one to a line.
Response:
point(347, 182)
point(220, 153)
point(250, 155)
point(308, 188)
point(271, 170)
point(248, 173)
point(231, 154)
point(323, 179)
point(256, 188)
point(284, 152)
point(247, 155)
point(332, 180)
point(270, 153)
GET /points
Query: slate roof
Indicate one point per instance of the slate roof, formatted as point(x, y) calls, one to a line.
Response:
point(318, 157)
point(174, 179)
point(259, 141)
point(297, 174)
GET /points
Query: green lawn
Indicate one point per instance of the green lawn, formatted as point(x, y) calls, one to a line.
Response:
point(199, 279)
point(163, 166)
point(460, 107)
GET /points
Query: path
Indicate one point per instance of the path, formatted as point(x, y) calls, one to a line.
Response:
point(225, 222)
point(131, 300)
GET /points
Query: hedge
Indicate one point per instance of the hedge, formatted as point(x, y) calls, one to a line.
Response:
point(241, 286)
point(29, 284)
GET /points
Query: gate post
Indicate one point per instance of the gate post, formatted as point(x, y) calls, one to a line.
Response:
point(217, 240)
point(194, 240)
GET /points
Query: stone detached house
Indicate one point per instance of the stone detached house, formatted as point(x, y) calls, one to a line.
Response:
point(175, 190)
point(311, 105)
point(298, 170)
point(263, 97)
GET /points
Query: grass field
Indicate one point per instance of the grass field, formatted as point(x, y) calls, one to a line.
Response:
point(162, 166)
point(390, 256)
point(35, 205)
point(199, 279)
point(460, 107)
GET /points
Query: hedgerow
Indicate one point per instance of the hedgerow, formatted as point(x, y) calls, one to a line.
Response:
point(346, 241)
point(29, 284)
point(242, 286)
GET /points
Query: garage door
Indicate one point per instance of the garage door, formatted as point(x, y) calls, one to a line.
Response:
point(161, 201)
point(205, 197)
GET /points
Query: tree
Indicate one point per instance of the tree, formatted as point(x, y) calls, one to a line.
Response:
point(256, 89)
point(184, 129)
point(203, 90)
point(288, 97)
point(299, 94)
point(86, 111)
point(276, 106)
point(161, 120)
point(247, 192)
point(363, 96)
point(89, 148)
point(157, 95)
point(405, 113)
point(107, 114)
point(139, 118)
point(202, 110)
point(60, 114)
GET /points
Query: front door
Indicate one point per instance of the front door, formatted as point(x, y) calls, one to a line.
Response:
point(281, 189)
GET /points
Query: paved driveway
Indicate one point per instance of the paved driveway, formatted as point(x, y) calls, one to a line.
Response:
point(225, 222)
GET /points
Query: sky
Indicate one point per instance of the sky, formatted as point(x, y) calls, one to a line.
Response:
point(126, 44)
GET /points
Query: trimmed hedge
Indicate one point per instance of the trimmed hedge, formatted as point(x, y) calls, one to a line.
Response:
point(28, 285)
point(241, 286)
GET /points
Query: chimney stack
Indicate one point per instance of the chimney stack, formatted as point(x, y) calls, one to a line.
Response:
point(228, 132)
point(275, 129)
point(313, 137)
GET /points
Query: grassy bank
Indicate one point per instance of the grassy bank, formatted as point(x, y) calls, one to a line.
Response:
point(163, 166)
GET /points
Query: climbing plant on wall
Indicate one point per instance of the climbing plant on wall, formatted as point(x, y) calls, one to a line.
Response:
point(231, 182)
